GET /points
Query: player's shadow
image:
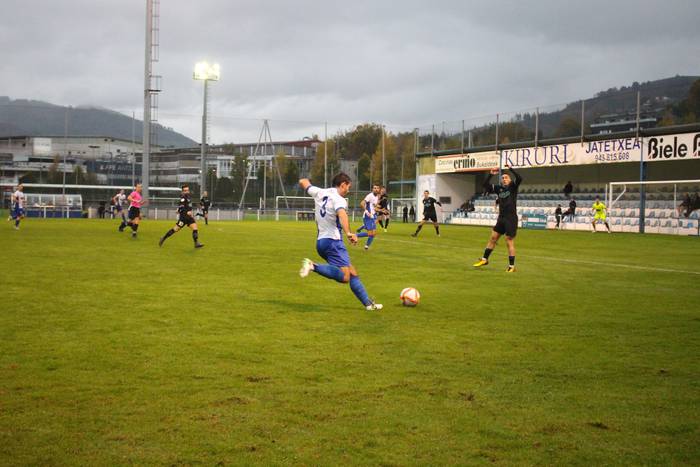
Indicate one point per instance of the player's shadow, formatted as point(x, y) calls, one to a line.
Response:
point(285, 306)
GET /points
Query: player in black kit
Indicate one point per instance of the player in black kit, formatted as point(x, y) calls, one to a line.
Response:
point(507, 222)
point(184, 212)
point(429, 214)
point(383, 212)
point(204, 204)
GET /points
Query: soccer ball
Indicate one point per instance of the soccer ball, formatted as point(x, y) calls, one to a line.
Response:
point(410, 296)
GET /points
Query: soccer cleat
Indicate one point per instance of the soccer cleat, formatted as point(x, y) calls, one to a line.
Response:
point(133, 234)
point(414, 235)
point(306, 267)
point(481, 262)
point(374, 307)
point(384, 230)
point(161, 241)
point(198, 245)
point(121, 228)
point(510, 269)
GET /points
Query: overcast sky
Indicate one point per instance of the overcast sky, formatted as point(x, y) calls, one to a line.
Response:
point(404, 63)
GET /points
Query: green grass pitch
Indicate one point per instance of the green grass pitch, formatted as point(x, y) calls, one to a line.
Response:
point(113, 351)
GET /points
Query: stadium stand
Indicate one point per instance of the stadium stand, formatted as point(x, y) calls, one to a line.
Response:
point(661, 214)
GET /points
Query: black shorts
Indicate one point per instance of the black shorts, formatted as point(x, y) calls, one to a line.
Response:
point(205, 211)
point(134, 212)
point(430, 216)
point(185, 220)
point(507, 226)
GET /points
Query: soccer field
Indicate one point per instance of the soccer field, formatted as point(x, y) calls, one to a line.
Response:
point(115, 351)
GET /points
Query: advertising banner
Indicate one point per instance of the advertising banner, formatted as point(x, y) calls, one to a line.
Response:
point(590, 152)
point(684, 146)
point(473, 162)
point(534, 221)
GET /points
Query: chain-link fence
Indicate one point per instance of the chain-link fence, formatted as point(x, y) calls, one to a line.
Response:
point(628, 111)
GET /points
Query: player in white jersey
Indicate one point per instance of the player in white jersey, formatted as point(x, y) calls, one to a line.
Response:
point(119, 201)
point(17, 200)
point(369, 216)
point(332, 218)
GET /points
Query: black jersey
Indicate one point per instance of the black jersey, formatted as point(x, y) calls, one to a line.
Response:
point(507, 195)
point(185, 204)
point(429, 204)
point(384, 202)
point(204, 202)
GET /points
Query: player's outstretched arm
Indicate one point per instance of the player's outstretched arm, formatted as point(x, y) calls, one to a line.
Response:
point(516, 175)
point(488, 186)
point(304, 183)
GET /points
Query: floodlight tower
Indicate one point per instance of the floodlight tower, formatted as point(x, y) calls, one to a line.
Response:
point(205, 72)
point(151, 88)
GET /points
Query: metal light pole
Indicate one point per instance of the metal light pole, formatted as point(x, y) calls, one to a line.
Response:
point(203, 146)
point(133, 148)
point(205, 72)
point(383, 158)
point(65, 151)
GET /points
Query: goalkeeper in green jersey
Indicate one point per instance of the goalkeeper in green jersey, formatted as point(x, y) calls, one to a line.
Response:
point(600, 214)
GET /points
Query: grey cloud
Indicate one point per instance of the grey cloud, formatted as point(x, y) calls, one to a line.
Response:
point(404, 63)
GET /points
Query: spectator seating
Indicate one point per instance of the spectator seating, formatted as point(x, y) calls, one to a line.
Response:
point(660, 211)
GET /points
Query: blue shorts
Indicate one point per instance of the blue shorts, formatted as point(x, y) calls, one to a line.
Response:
point(333, 251)
point(119, 208)
point(17, 212)
point(370, 223)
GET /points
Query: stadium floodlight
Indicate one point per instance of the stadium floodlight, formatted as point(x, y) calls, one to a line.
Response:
point(205, 72)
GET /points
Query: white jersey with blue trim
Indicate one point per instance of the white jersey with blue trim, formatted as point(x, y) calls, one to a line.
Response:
point(328, 202)
point(120, 199)
point(19, 199)
point(371, 201)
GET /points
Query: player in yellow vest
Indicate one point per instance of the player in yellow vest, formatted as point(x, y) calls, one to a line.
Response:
point(600, 214)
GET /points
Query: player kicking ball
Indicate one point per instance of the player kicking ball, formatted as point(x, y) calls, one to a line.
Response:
point(184, 211)
point(332, 220)
point(507, 222)
point(600, 214)
point(369, 216)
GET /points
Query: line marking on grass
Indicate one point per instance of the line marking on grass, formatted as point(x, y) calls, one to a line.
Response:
point(568, 260)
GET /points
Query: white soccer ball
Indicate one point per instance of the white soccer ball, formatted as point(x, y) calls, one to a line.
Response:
point(410, 296)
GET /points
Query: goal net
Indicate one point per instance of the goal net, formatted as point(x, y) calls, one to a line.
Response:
point(397, 205)
point(665, 207)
